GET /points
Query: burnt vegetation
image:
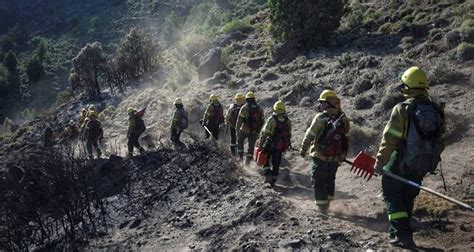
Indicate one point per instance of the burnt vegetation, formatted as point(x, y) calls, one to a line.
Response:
point(53, 199)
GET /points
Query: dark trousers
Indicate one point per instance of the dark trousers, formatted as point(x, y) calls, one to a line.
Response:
point(233, 141)
point(274, 157)
point(252, 138)
point(214, 130)
point(93, 144)
point(324, 180)
point(399, 199)
point(175, 135)
point(133, 142)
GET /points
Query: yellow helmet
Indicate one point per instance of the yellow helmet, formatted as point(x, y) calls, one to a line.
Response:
point(279, 107)
point(327, 95)
point(213, 98)
point(131, 110)
point(250, 95)
point(178, 101)
point(92, 115)
point(415, 78)
point(239, 98)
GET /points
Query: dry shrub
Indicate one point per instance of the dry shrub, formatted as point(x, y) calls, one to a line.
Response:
point(427, 204)
point(363, 102)
point(362, 139)
point(444, 73)
point(465, 52)
point(391, 98)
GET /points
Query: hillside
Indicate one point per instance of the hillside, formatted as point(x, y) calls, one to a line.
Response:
point(203, 198)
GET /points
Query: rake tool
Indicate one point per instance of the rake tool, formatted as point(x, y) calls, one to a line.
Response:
point(363, 165)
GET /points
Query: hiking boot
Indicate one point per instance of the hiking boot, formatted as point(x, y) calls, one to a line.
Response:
point(247, 160)
point(403, 242)
point(323, 211)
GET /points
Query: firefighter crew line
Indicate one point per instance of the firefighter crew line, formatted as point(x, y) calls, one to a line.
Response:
point(411, 145)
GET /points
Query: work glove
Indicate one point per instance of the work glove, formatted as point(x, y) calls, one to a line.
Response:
point(302, 153)
point(378, 168)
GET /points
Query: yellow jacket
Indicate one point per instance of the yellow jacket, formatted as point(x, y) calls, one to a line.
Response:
point(318, 124)
point(228, 115)
point(176, 119)
point(396, 129)
point(209, 113)
point(242, 120)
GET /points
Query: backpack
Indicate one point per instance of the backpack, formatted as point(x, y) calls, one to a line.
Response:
point(93, 129)
point(218, 117)
point(234, 114)
point(184, 119)
point(421, 152)
point(281, 137)
point(254, 121)
point(333, 141)
point(140, 125)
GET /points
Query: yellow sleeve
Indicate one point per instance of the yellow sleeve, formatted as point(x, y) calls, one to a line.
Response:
point(227, 114)
point(313, 131)
point(207, 114)
point(267, 131)
point(393, 133)
point(241, 117)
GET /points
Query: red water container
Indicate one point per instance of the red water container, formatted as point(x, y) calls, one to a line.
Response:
point(260, 157)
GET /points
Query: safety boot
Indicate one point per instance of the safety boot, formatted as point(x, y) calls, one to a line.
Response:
point(247, 160)
point(403, 242)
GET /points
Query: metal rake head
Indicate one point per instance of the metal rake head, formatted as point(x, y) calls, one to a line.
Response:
point(363, 165)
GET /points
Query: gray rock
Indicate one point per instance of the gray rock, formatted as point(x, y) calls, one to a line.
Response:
point(466, 227)
point(296, 243)
point(270, 76)
point(210, 63)
point(231, 37)
point(255, 63)
point(135, 223)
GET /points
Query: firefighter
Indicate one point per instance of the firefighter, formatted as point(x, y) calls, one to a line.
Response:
point(179, 123)
point(93, 133)
point(213, 117)
point(275, 139)
point(136, 127)
point(71, 132)
point(411, 146)
point(327, 143)
point(249, 124)
point(231, 120)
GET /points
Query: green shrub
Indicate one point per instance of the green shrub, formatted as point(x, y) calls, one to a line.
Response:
point(29, 113)
point(34, 68)
point(242, 25)
point(309, 23)
point(171, 29)
point(11, 61)
point(354, 16)
point(3, 82)
point(63, 97)
point(467, 34)
point(226, 55)
point(41, 46)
